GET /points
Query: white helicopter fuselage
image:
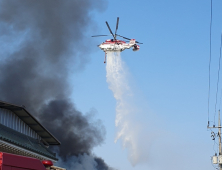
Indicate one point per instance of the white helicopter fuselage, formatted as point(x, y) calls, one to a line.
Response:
point(118, 45)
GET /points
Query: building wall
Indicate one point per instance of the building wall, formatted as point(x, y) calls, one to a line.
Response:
point(9, 119)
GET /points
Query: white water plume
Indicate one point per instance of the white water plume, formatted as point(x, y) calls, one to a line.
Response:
point(128, 129)
point(144, 134)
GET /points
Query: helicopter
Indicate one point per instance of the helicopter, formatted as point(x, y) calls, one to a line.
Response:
point(114, 44)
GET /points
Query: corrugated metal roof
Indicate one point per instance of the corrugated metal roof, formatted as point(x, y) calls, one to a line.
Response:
point(16, 138)
point(34, 124)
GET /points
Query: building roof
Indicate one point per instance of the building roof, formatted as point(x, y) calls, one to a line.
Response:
point(34, 124)
point(23, 141)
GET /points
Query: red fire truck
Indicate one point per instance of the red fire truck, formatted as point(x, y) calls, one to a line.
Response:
point(17, 162)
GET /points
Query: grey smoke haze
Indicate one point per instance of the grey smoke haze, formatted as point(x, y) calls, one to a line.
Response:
point(43, 42)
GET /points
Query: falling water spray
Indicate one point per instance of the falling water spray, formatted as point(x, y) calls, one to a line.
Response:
point(128, 129)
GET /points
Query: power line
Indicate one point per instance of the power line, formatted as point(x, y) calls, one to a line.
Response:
point(210, 59)
point(220, 98)
point(218, 77)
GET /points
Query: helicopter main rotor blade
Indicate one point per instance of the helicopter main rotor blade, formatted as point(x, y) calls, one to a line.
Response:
point(109, 29)
point(129, 39)
point(117, 23)
point(138, 42)
point(123, 37)
point(99, 35)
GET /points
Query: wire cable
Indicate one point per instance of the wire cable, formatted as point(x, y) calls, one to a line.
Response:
point(211, 14)
point(218, 77)
point(220, 99)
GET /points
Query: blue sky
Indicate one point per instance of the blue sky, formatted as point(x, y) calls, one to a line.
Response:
point(169, 75)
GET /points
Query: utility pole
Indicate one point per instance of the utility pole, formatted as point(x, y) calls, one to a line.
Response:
point(217, 159)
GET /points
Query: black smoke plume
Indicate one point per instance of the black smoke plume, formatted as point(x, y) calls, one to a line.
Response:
point(43, 42)
point(70, 125)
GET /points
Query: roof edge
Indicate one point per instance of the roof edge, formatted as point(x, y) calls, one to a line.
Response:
point(23, 108)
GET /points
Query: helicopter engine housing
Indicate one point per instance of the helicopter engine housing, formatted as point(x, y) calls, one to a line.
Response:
point(136, 47)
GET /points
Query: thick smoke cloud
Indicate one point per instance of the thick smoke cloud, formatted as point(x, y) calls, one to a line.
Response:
point(51, 37)
point(70, 125)
point(42, 42)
